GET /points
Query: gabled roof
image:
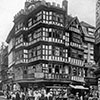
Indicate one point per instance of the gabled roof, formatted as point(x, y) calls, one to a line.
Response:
point(70, 22)
point(84, 24)
point(87, 25)
point(11, 34)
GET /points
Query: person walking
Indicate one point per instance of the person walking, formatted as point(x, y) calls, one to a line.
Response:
point(77, 96)
point(22, 95)
point(13, 96)
point(17, 95)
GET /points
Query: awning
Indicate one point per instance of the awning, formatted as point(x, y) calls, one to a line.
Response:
point(72, 86)
point(78, 87)
point(81, 87)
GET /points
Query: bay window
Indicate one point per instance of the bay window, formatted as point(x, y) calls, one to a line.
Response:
point(35, 53)
point(33, 20)
point(22, 56)
point(50, 17)
point(52, 35)
point(18, 27)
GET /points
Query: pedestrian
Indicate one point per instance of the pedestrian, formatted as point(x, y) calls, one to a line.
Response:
point(22, 95)
point(17, 95)
point(86, 97)
point(43, 97)
point(77, 96)
point(13, 96)
point(37, 95)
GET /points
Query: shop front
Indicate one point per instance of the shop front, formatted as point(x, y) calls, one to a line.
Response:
point(91, 83)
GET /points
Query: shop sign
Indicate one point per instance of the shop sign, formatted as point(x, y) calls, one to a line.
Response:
point(76, 78)
point(90, 80)
point(39, 75)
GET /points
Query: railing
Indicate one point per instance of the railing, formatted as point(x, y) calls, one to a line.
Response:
point(56, 76)
point(22, 44)
point(47, 76)
point(21, 29)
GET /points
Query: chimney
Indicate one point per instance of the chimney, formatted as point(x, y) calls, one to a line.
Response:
point(65, 5)
point(27, 4)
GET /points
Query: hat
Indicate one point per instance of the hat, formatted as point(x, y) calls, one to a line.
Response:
point(50, 89)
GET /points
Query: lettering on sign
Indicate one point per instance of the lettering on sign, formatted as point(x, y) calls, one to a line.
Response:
point(76, 78)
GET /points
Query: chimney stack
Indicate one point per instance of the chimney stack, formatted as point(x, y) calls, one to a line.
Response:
point(65, 5)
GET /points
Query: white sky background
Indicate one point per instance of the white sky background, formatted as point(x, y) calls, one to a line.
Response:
point(83, 9)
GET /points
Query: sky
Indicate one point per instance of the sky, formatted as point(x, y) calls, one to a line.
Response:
point(83, 9)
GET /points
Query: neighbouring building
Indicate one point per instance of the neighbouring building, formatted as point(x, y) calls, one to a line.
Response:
point(4, 65)
point(97, 44)
point(89, 65)
point(45, 48)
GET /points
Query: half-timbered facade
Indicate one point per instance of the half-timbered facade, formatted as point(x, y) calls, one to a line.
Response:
point(48, 46)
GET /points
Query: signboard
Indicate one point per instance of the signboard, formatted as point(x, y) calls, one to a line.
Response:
point(39, 75)
point(91, 81)
point(78, 79)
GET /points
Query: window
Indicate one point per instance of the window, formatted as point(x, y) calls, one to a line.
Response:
point(52, 35)
point(76, 38)
point(31, 69)
point(57, 51)
point(52, 17)
point(57, 69)
point(80, 54)
point(80, 72)
point(50, 68)
point(91, 46)
point(35, 53)
point(30, 22)
point(19, 40)
point(91, 57)
point(34, 19)
point(18, 26)
point(74, 71)
point(76, 54)
point(85, 56)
